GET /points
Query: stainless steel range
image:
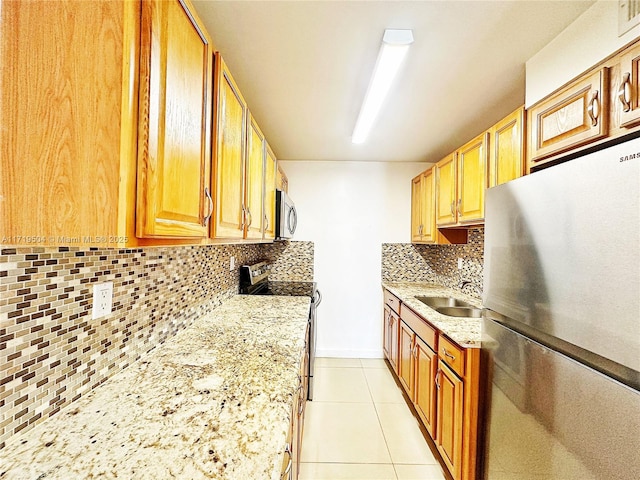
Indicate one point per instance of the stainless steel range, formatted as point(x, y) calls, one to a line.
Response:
point(254, 280)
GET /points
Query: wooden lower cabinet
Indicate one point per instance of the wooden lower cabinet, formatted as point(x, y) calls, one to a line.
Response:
point(390, 337)
point(424, 397)
point(293, 446)
point(405, 357)
point(287, 460)
point(449, 399)
point(441, 379)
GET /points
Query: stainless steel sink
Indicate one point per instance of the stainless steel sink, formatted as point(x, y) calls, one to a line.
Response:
point(465, 312)
point(437, 302)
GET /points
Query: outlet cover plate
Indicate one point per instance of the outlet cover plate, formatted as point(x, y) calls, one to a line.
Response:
point(102, 300)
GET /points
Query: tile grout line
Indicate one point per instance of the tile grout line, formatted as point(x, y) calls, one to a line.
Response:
point(386, 442)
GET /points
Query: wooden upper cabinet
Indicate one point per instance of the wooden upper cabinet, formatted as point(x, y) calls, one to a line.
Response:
point(174, 122)
point(416, 209)
point(428, 209)
point(270, 169)
point(68, 103)
point(254, 180)
point(230, 144)
point(575, 116)
point(282, 181)
point(446, 175)
point(627, 88)
point(472, 180)
point(506, 149)
point(423, 209)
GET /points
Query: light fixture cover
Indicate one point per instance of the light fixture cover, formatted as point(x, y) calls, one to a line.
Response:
point(395, 44)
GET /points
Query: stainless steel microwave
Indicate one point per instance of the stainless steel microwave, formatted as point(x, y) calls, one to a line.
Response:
point(286, 216)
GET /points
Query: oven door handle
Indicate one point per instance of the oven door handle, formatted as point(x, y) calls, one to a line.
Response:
point(317, 298)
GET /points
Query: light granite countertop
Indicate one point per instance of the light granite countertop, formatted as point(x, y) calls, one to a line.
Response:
point(212, 402)
point(464, 331)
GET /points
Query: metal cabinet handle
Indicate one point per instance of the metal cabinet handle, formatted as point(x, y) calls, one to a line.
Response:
point(594, 108)
point(207, 194)
point(459, 205)
point(624, 92)
point(285, 474)
point(438, 375)
point(250, 217)
point(266, 222)
point(447, 354)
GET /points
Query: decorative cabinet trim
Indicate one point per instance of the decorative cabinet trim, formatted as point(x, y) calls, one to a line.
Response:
point(627, 89)
point(575, 116)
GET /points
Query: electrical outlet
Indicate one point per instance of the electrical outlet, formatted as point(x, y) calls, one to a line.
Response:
point(102, 299)
point(459, 263)
point(232, 264)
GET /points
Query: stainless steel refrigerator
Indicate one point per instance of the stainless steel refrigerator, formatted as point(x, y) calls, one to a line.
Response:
point(561, 324)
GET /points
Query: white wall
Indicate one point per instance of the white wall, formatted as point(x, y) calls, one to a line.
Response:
point(348, 209)
point(591, 38)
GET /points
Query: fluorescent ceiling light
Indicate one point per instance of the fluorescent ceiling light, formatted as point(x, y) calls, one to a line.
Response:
point(395, 44)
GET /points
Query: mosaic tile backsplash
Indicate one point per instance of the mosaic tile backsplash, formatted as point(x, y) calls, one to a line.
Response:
point(291, 261)
point(437, 263)
point(51, 351)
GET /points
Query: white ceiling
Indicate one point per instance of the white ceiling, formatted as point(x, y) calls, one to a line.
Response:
point(304, 67)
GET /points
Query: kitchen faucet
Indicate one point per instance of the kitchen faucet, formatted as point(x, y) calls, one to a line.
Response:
point(464, 282)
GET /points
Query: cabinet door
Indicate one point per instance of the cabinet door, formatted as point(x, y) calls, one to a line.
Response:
point(270, 169)
point(254, 178)
point(174, 122)
point(506, 145)
point(472, 180)
point(282, 181)
point(628, 89)
point(386, 331)
point(426, 364)
point(394, 346)
point(428, 207)
point(573, 117)
point(390, 337)
point(405, 359)
point(416, 209)
point(449, 418)
point(446, 191)
point(68, 106)
point(230, 154)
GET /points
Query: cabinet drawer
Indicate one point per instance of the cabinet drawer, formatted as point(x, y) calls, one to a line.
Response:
point(451, 354)
point(391, 300)
point(425, 331)
point(575, 116)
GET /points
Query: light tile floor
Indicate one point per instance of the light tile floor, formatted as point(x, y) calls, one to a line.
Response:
point(359, 427)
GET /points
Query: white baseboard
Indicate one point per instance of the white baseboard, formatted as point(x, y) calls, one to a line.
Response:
point(333, 353)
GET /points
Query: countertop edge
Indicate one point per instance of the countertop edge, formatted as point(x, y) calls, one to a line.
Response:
point(463, 331)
